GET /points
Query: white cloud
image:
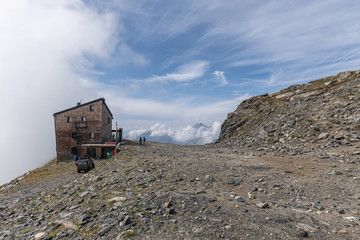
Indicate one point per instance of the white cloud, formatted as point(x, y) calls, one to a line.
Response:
point(300, 37)
point(220, 77)
point(185, 73)
point(46, 47)
point(134, 134)
point(183, 135)
point(160, 130)
point(137, 112)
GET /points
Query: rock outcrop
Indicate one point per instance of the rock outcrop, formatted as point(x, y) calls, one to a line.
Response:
point(320, 114)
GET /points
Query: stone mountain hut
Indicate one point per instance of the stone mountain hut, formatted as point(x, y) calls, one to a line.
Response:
point(84, 129)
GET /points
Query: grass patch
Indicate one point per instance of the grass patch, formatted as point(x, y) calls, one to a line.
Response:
point(129, 234)
point(50, 170)
point(26, 231)
point(90, 212)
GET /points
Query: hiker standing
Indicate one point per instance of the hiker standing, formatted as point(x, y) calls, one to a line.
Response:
point(140, 141)
point(144, 140)
point(76, 158)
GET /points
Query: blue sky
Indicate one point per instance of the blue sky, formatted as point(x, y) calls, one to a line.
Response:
point(196, 54)
point(161, 65)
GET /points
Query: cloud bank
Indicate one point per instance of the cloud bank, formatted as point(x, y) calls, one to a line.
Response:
point(197, 134)
point(46, 49)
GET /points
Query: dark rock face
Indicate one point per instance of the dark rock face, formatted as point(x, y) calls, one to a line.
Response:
point(324, 112)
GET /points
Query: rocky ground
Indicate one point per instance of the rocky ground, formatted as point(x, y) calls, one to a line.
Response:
point(286, 166)
point(164, 191)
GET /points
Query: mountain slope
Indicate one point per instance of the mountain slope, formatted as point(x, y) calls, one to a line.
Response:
point(323, 114)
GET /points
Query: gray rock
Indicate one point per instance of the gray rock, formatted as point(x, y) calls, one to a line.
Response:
point(231, 181)
point(240, 199)
point(263, 205)
point(110, 221)
point(340, 210)
point(306, 227)
point(62, 234)
point(84, 218)
point(302, 233)
point(260, 167)
point(170, 210)
point(299, 205)
point(104, 229)
point(237, 182)
point(173, 221)
point(4, 234)
point(117, 205)
point(125, 221)
point(121, 216)
point(318, 206)
point(83, 194)
point(73, 191)
point(323, 135)
point(338, 137)
point(143, 182)
point(129, 194)
point(107, 225)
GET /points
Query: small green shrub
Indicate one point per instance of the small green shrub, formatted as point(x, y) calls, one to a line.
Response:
point(26, 231)
point(316, 129)
point(129, 233)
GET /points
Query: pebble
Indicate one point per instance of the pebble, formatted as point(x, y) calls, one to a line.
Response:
point(318, 206)
point(84, 218)
point(340, 210)
point(302, 233)
point(251, 196)
point(117, 199)
point(263, 205)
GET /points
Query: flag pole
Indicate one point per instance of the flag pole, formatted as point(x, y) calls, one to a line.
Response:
point(116, 139)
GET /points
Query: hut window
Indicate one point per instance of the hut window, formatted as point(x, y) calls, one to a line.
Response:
point(83, 119)
point(92, 135)
point(69, 120)
point(92, 107)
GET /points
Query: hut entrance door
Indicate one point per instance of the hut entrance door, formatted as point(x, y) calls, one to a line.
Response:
point(91, 152)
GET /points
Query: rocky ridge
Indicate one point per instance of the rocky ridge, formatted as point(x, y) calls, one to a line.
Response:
point(321, 114)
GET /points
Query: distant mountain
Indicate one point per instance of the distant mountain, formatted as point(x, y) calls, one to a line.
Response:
point(199, 125)
point(196, 134)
